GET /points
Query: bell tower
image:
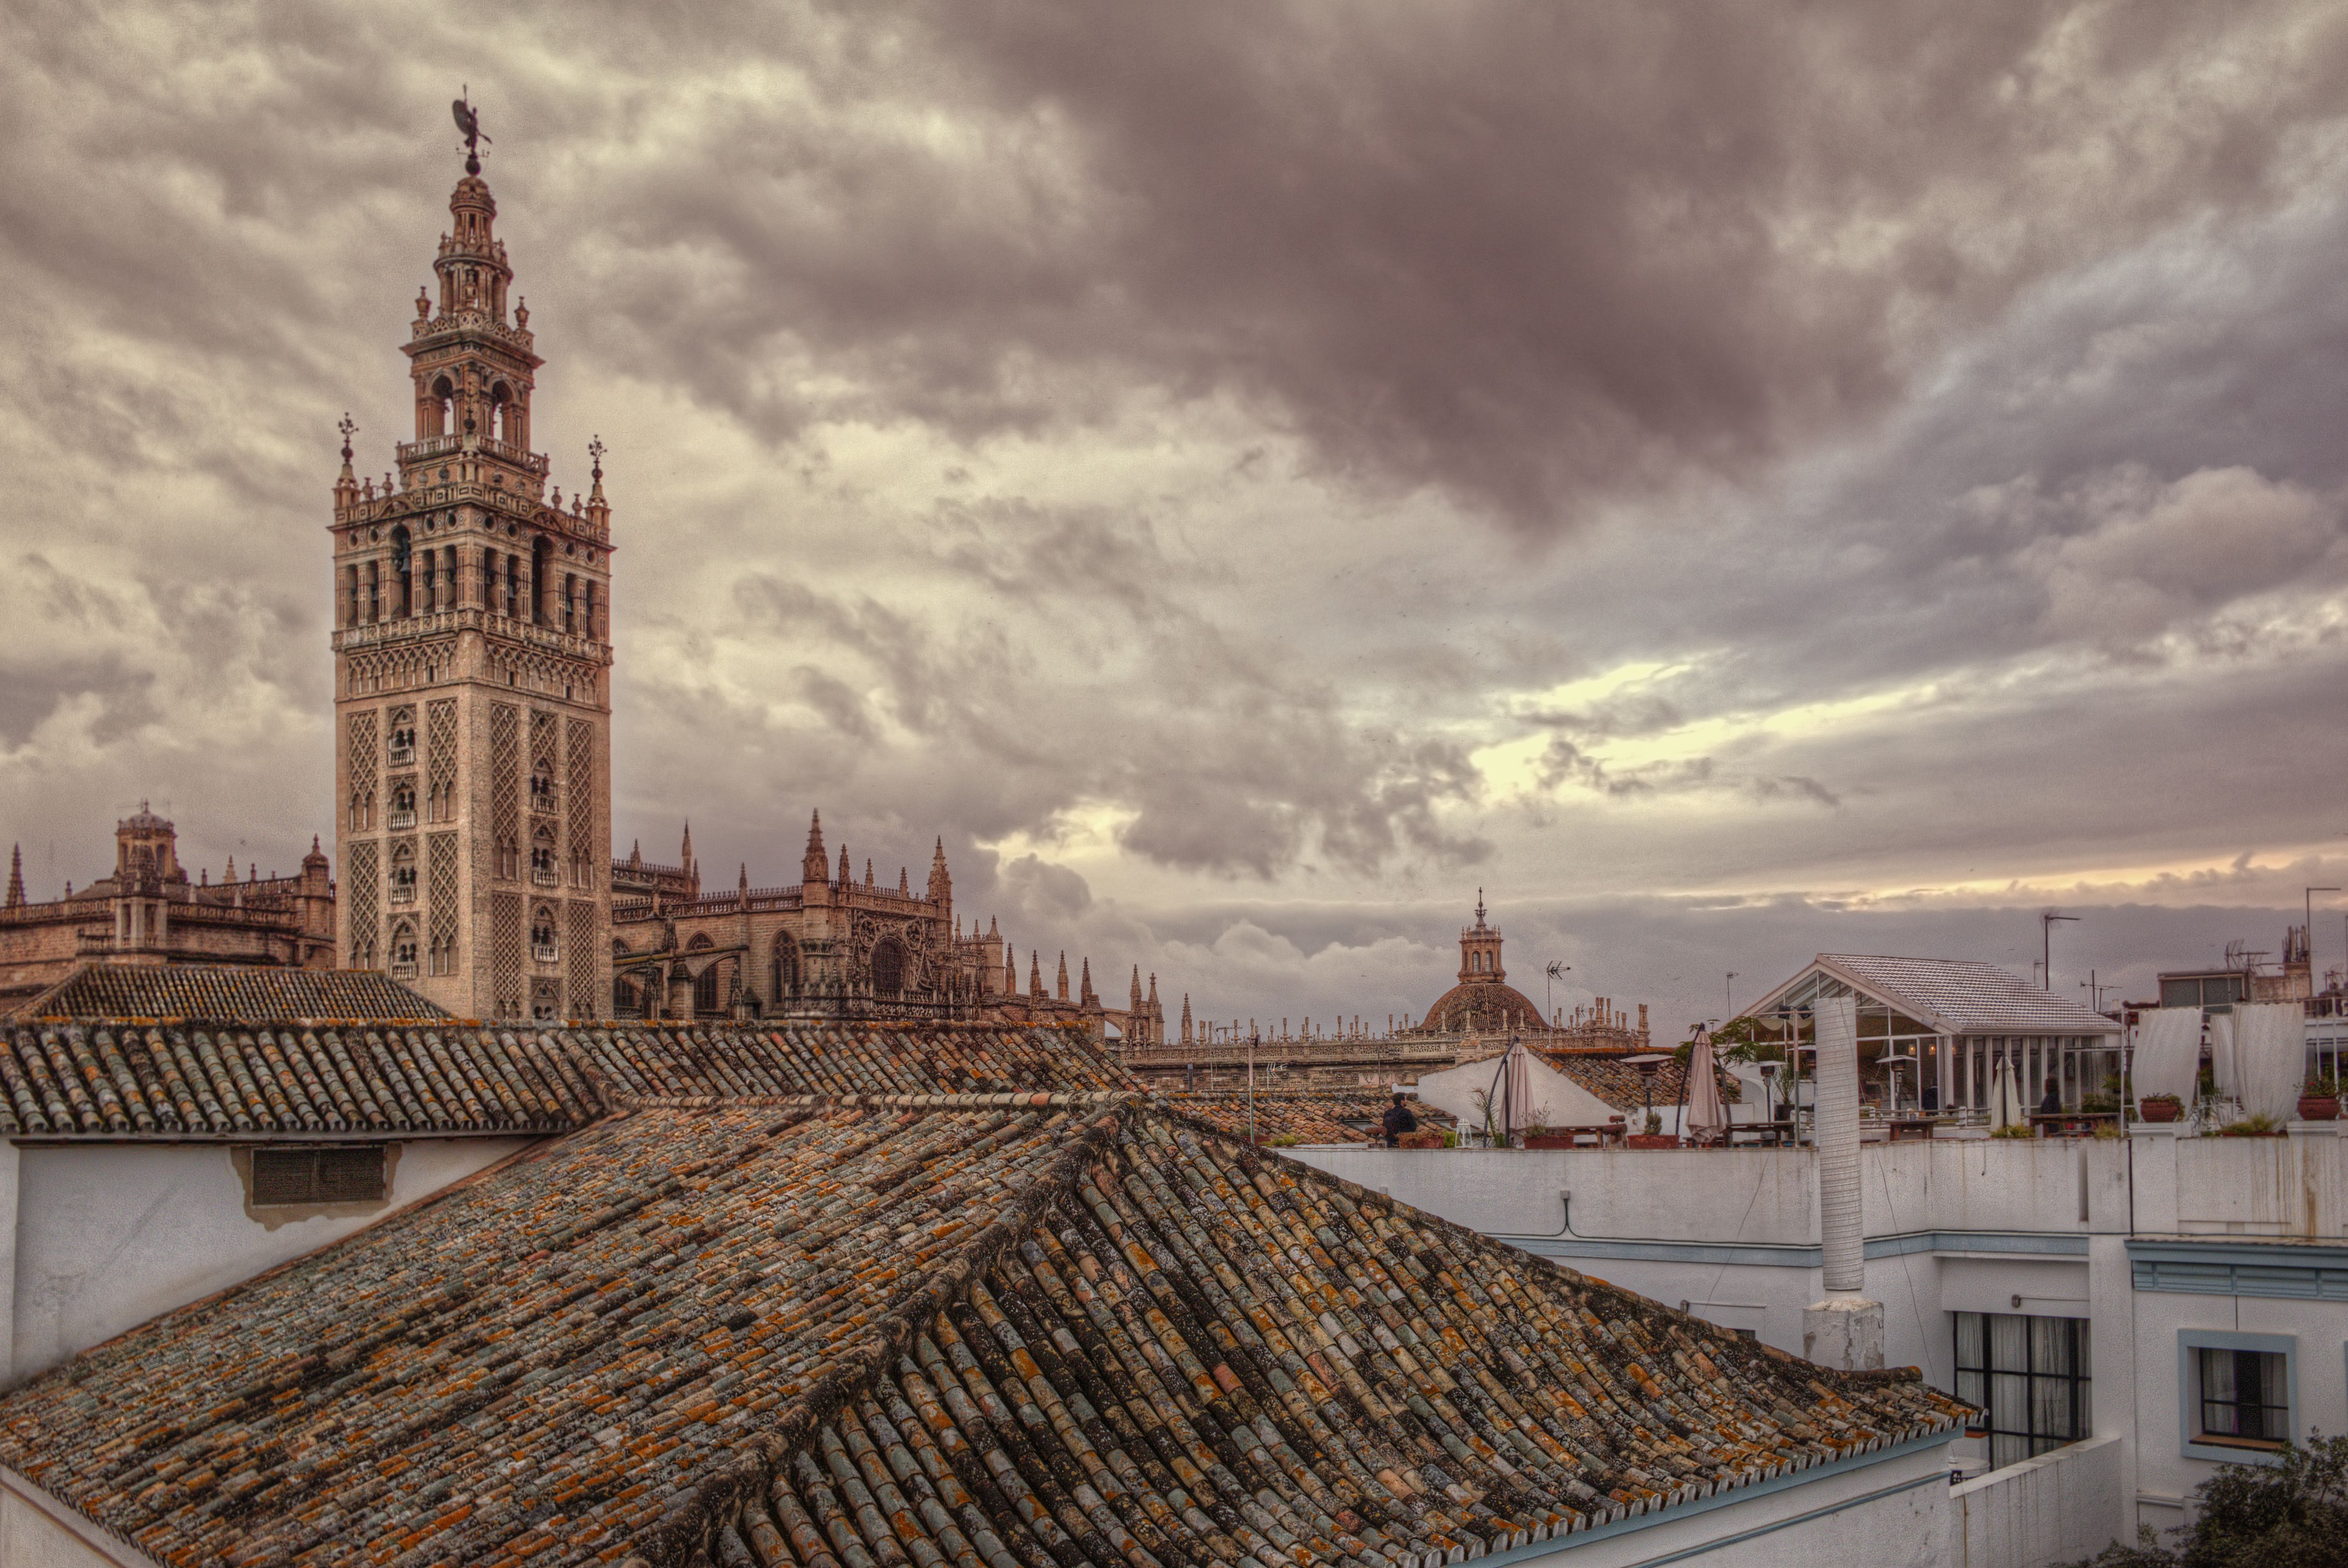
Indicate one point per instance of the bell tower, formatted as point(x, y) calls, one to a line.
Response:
point(1479, 949)
point(472, 672)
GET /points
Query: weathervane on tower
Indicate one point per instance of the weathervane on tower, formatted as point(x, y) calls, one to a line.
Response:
point(470, 122)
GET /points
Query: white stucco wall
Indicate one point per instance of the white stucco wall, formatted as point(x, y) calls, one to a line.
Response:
point(107, 1235)
point(37, 1531)
point(1890, 1514)
point(2059, 1508)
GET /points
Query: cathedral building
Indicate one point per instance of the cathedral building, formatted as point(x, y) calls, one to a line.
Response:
point(831, 945)
point(472, 733)
point(150, 912)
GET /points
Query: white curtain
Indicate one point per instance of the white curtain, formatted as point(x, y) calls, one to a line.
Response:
point(2168, 1052)
point(2221, 1053)
point(2270, 1057)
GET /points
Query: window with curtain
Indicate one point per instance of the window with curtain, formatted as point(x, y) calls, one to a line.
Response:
point(2029, 1376)
point(2245, 1398)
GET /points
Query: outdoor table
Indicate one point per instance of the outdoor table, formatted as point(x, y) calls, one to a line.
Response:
point(1909, 1128)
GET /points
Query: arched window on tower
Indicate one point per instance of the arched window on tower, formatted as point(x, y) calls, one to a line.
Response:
point(403, 874)
point(541, 787)
point(508, 858)
point(541, 857)
point(403, 736)
point(403, 805)
point(501, 400)
point(888, 966)
point(541, 552)
point(542, 947)
point(362, 809)
point(513, 587)
point(403, 949)
point(442, 405)
point(444, 956)
point(402, 570)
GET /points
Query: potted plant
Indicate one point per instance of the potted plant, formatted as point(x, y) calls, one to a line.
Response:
point(1654, 1137)
point(2319, 1101)
point(1426, 1138)
point(2260, 1125)
point(2161, 1108)
point(1539, 1136)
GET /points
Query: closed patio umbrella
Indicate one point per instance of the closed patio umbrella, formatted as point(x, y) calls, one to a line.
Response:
point(1517, 1088)
point(1706, 1116)
point(2005, 1100)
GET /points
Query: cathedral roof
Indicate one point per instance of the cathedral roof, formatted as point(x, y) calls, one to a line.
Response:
point(1309, 1115)
point(927, 1331)
point(115, 1080)
point(1482, 1004)
point(225, 991)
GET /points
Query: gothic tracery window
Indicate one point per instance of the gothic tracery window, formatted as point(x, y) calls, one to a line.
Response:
point(543, 945)
point(541, 787)
point(403, 874)
point(403, 949)
point(888, 966)
point(541, 857)
point(402, 803)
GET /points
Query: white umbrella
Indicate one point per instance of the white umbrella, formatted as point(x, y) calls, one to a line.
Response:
point(1517, 1088)
point(2005, 1100)
point(1706, 1116)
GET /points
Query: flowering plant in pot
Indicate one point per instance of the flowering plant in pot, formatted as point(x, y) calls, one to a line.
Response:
point(2161, 1107)
point(2320, 1100)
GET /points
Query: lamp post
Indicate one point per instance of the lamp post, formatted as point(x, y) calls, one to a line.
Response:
point(1647, 1066)
point(1728, 995)
point(2046, 947)
point(2309, 932)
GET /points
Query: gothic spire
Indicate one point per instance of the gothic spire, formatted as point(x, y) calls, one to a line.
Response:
point(687, 852)
point(1064, 974)
point(1034, 974)
point(845, 876)
point(940, 883)
point(1010, 969)
point(1136, 987)
point(812, 866)
point(15, 876)
point(1084, 991)
point(1186, 1017)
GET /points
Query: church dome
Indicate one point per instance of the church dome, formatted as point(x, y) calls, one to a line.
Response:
point(1482, 1004)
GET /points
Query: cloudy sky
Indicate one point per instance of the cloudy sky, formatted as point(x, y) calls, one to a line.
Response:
point(1730, 482)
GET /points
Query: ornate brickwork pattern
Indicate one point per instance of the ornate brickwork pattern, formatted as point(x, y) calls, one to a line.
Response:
point(578, 810)
point(361, 877)
point(505, 951)
point(361, 758)
point(441, 758)
point(440, 888)
point(542, 739)
point(579, 959)
point(505, 797)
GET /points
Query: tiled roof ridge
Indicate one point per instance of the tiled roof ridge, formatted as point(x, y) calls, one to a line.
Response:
point(687, 1533)
point(1016, 1099)
point(854, 1369)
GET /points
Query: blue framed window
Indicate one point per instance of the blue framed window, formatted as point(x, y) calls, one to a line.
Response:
point(2238, 1394)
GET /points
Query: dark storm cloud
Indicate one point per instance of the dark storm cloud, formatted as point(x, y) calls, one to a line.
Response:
point(1532, 255)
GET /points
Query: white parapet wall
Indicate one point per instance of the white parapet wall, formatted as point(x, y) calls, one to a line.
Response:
point(2055, 1508)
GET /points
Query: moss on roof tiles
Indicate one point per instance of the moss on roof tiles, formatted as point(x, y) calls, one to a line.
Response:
point(99, 990)
point(991, 1331)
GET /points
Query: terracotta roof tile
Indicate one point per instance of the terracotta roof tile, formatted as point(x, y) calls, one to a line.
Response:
point(225, 991)
point(984, 1332)
point(1311, 1116)
point(113, 1080)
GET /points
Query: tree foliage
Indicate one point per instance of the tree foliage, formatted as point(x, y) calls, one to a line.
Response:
point(2289, 1514)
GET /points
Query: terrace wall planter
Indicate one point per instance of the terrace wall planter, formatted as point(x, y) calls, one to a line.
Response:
point(1660, 1140)
point(1424, 1138)
point(1548, 1140)
point(2318, 1107)
point(2159, 1110)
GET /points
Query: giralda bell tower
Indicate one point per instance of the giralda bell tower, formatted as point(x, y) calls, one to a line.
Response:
point(472, 674)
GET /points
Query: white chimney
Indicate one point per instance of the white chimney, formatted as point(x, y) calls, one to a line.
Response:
point(1846, 1329)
